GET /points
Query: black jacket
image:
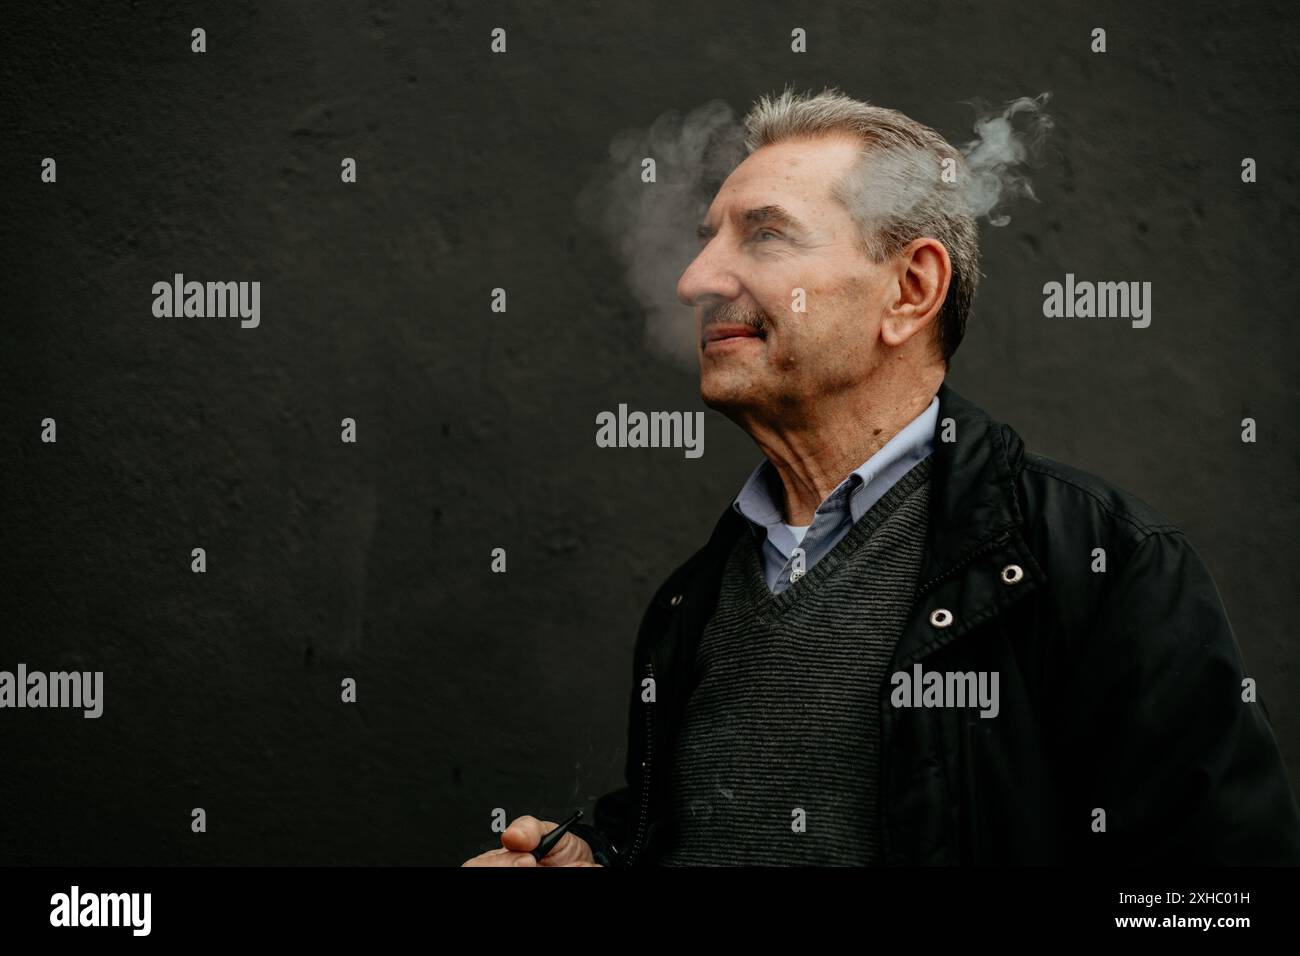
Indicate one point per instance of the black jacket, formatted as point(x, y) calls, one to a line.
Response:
point(1120, 690)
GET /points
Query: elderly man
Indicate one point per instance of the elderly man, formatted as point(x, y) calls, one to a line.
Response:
point(909, 640)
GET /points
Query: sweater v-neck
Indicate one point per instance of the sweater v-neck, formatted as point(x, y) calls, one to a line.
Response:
point(764, 601)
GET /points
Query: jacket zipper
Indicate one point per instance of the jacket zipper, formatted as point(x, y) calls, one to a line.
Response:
point(643, 817)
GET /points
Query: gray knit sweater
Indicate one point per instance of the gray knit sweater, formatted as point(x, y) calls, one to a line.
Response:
point(778, 755)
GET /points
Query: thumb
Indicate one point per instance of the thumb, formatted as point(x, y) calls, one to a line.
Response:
point(524, 833)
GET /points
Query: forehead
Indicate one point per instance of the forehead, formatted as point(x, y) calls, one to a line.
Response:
point(791, 173)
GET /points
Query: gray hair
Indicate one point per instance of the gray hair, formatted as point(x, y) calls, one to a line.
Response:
point(894, 193)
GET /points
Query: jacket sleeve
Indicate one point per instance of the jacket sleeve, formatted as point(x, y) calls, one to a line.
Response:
point(611, 827)
point(613, 823)
point(605, 835)
point(1168, 742)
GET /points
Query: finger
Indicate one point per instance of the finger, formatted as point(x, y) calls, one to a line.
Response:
point(525, 832)
point(501, 857)
point(481, 859)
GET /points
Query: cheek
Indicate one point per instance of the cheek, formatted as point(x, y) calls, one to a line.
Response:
point(777, 295)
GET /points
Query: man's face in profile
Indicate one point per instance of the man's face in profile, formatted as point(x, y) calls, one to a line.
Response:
point(773, 228)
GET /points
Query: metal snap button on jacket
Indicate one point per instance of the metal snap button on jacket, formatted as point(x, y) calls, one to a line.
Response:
point(1012, 573)
point(676, 600)
point(941, 617)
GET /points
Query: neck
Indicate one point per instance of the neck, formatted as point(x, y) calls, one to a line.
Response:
point(815, 446)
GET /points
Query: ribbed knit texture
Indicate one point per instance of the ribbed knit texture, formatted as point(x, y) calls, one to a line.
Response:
point(785, 714)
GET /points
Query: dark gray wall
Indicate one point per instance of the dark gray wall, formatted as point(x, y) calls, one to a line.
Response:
point(476, 430)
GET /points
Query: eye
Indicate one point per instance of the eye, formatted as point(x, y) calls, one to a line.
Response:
point(767, 232)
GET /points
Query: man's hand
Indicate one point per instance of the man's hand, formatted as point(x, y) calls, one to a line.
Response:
point(523, 834)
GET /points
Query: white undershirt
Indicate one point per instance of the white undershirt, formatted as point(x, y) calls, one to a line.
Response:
point(798, 531)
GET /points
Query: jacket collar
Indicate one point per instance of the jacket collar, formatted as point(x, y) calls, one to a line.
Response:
point(972, 496)
point(973, 489)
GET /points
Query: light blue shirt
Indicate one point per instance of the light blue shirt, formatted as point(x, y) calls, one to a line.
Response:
point(759, 500)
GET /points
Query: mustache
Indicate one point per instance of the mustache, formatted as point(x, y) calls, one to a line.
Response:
point(734, 315)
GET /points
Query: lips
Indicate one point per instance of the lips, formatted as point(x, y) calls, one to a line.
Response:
point(725, 330)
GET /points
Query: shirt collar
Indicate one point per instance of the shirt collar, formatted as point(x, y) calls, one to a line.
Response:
point(759, 496)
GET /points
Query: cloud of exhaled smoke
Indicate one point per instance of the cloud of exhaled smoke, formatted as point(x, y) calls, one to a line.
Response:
point(1000, 148)
point(652, 224)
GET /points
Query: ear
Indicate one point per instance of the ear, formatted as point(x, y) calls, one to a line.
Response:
point(923, 271)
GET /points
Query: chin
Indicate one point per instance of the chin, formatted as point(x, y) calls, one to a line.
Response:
point(721, 392)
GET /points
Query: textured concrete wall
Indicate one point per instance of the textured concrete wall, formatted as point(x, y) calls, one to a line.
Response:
point(370, 560)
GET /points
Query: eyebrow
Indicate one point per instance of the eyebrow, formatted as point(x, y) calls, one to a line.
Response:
point(760, 215)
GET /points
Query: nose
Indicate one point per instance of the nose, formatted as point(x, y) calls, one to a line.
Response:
point(708, 279)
